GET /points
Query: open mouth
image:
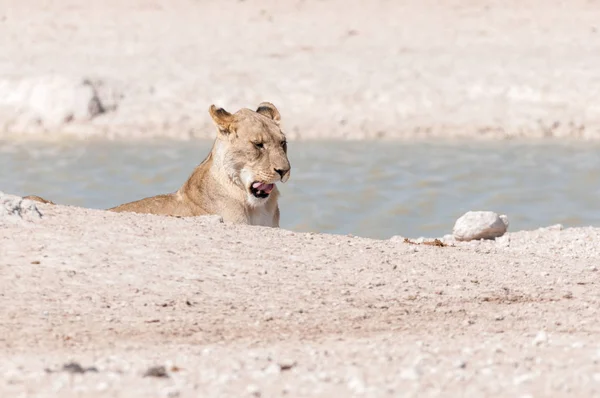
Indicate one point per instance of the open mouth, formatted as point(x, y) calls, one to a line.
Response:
point(261, 190)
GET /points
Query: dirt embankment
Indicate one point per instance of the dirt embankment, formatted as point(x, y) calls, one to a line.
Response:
point(233, 310)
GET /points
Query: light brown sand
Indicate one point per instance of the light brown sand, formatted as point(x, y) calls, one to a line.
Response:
point(246, 311)
point(228, 309)
point(336, 69)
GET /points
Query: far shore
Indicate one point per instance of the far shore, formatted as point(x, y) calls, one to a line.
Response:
point(400, 70)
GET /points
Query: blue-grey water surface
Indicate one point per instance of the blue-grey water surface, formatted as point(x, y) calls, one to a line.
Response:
point(372, 189)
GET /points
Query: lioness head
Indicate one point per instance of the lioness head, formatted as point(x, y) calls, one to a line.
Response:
point(252, 149)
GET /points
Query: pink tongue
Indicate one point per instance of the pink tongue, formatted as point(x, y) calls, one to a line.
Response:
point(267, 188)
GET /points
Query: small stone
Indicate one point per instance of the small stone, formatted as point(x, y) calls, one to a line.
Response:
point(253, 390)
point(448, 238)
point(171, 392)
point(410, 374)
point(540, 338)
point(397, 238)
point(156, 371)
point(286, 364)
point(480, 225)
point(74, 367)
point(356, 385)
point(324, 376)
point(272, 369)
point(525, 378)
point(102, 386)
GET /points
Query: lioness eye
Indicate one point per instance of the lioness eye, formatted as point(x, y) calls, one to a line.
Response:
point(259, 145)
point(284, 144)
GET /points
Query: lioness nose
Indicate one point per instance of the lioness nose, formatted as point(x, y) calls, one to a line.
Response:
point(282, 172)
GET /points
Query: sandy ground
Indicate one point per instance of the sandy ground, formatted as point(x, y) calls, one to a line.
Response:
point(336, 69)
point(249, 311)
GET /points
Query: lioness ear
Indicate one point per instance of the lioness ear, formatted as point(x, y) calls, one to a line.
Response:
point(268, 109)
point(221, 117)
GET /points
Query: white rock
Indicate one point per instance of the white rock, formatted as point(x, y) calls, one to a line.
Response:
point(448, 238)
point(480, 225)
point(253, 390)
point(273, 368)
point(410, 374)
point(527, 377)
point(540, 337)
point(356, 385)
point(15, 209)
point(397, 238)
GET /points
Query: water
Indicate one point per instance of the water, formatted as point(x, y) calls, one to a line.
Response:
point(372, 189)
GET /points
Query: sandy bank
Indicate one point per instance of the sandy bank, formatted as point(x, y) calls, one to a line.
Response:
point(336, 69)
point(249, 311)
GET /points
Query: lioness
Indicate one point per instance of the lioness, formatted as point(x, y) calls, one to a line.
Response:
point(237, 178)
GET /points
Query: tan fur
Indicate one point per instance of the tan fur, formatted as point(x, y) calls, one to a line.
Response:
point(250, 147)
point(38, 199)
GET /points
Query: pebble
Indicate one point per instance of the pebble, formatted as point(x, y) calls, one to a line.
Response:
point(356, 385)
point(397, 238)
point(170, 392)
point(253, 390)
point(156, 371)
point(286, 364)
point(102, 386)
point(523, 378)
point(540, 337)
point(74, 367)
point(410, 374)
point(324, 376)
point(272, 369)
